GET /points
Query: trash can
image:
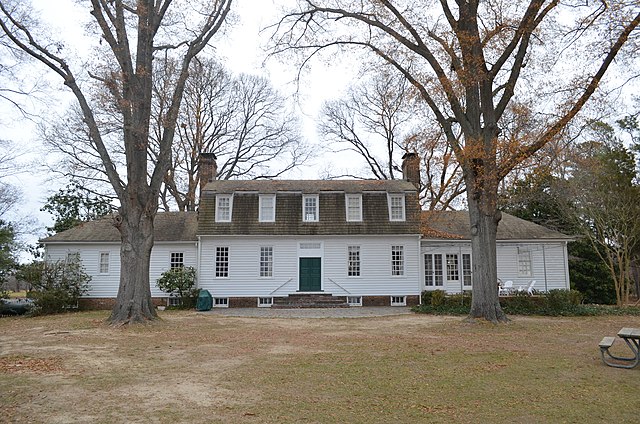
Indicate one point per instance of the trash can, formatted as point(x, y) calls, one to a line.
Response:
point(205, 301)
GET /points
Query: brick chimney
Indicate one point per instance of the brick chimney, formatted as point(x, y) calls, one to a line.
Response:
point(207, 169)
point(411, 168)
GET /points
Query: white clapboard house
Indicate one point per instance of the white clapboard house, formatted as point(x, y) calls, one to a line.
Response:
point(299, 242)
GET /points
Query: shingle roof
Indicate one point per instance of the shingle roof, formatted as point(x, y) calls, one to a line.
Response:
point(308, 186)
point(169, 226)
point(454, 225)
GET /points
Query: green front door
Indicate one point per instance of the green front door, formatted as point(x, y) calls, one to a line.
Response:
point(310, 274)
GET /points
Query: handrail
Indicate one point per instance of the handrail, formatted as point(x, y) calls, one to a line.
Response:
point(282, 285)
point(347, 291)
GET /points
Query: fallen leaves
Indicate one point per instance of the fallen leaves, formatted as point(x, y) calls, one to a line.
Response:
point(24, 364)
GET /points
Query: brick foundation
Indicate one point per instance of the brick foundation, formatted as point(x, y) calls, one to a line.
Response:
point(107, 303)
point(243, 302)
point(386, 300)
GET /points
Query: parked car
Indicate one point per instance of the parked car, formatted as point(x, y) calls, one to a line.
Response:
point(15, 306)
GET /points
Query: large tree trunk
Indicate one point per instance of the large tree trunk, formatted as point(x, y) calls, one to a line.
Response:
point(484, 216)
point(133, 304)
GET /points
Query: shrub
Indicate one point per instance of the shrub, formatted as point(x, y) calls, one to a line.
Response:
point(181, 282)
point(438, 298)
point(57, 286)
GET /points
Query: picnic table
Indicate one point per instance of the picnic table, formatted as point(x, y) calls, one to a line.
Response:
point(631, 336)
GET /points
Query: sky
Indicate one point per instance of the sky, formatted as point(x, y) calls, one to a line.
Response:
point(240, 49)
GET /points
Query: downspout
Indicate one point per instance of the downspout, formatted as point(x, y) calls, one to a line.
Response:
point(565, 257)
point(544, 264)
point(198, 261)
point(460, 270)
point(421, 281)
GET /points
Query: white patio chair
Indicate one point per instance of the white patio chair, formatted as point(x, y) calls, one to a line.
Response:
point(505, 289)
point(529, 288)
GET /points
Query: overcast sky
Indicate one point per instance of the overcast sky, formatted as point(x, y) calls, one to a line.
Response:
point(240, 50)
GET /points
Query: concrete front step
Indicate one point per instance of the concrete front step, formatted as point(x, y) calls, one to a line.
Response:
point(315, 300)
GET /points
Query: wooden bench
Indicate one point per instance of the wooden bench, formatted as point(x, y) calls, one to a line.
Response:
point(606, 342)
point(631, 337)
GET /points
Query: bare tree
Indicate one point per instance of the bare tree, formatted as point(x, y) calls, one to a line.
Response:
point(602, 182)
point(379, 120)
point(242, 119)
point(479, 57)
point(133, 32)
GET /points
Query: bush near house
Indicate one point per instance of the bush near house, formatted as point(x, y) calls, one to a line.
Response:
point(180, 281)
point(56, 287)
point(552, 303)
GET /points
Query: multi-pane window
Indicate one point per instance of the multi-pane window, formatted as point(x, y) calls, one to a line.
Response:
point(222, 261)
point(310, 208)
point(104, 262)
point(267, 208)
point(353, 266)
point(266, 261)
point(223, 208)
point(354, 207)
point(433, 273)
point(265, 302)
point(466, 269)
point(73, 257)
point(220, 302)
point(453, 272)
point(525, 268)
point(177, 260)
point(354, 300)
point(398, 300)
point(397, 260)
point(396, 207)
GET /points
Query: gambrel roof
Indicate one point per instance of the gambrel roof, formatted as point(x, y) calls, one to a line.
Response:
point(308, 186)
point(454, 225)
point(168, 226)
point(289, 201)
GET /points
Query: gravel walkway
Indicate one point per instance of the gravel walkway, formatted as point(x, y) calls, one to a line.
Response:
point(354, 312)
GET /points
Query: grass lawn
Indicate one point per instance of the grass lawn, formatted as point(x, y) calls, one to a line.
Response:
point(200, 368)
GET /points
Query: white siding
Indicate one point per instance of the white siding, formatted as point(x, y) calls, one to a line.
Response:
point(375, 254)
point(106, 285)
point(549, 263)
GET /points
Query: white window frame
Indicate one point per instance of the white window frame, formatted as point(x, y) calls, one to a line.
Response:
point(433, 270)
point(265, 302)
point(73, 256)
point(270, 211)
point(316, 213)
point(104, 264)
point(397, 212)
point(525, 262)
point(356, 209)
point(452, 263)
point(176, 260)
point(398, 300)
point(467, 275)
point(220, 302)
point(354, 300)
point(397, 261)
point(220, 216)
point(266, 262)
point(221, 265)
point(354, 262)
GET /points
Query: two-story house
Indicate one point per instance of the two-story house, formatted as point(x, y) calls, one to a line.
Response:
point(264, 239)
point(362, 242)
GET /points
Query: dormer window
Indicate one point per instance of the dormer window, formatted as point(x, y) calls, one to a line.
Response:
point(396, 207)
point(267, 206)
point(223, 207)
point(354, 207)
point(310, 211)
